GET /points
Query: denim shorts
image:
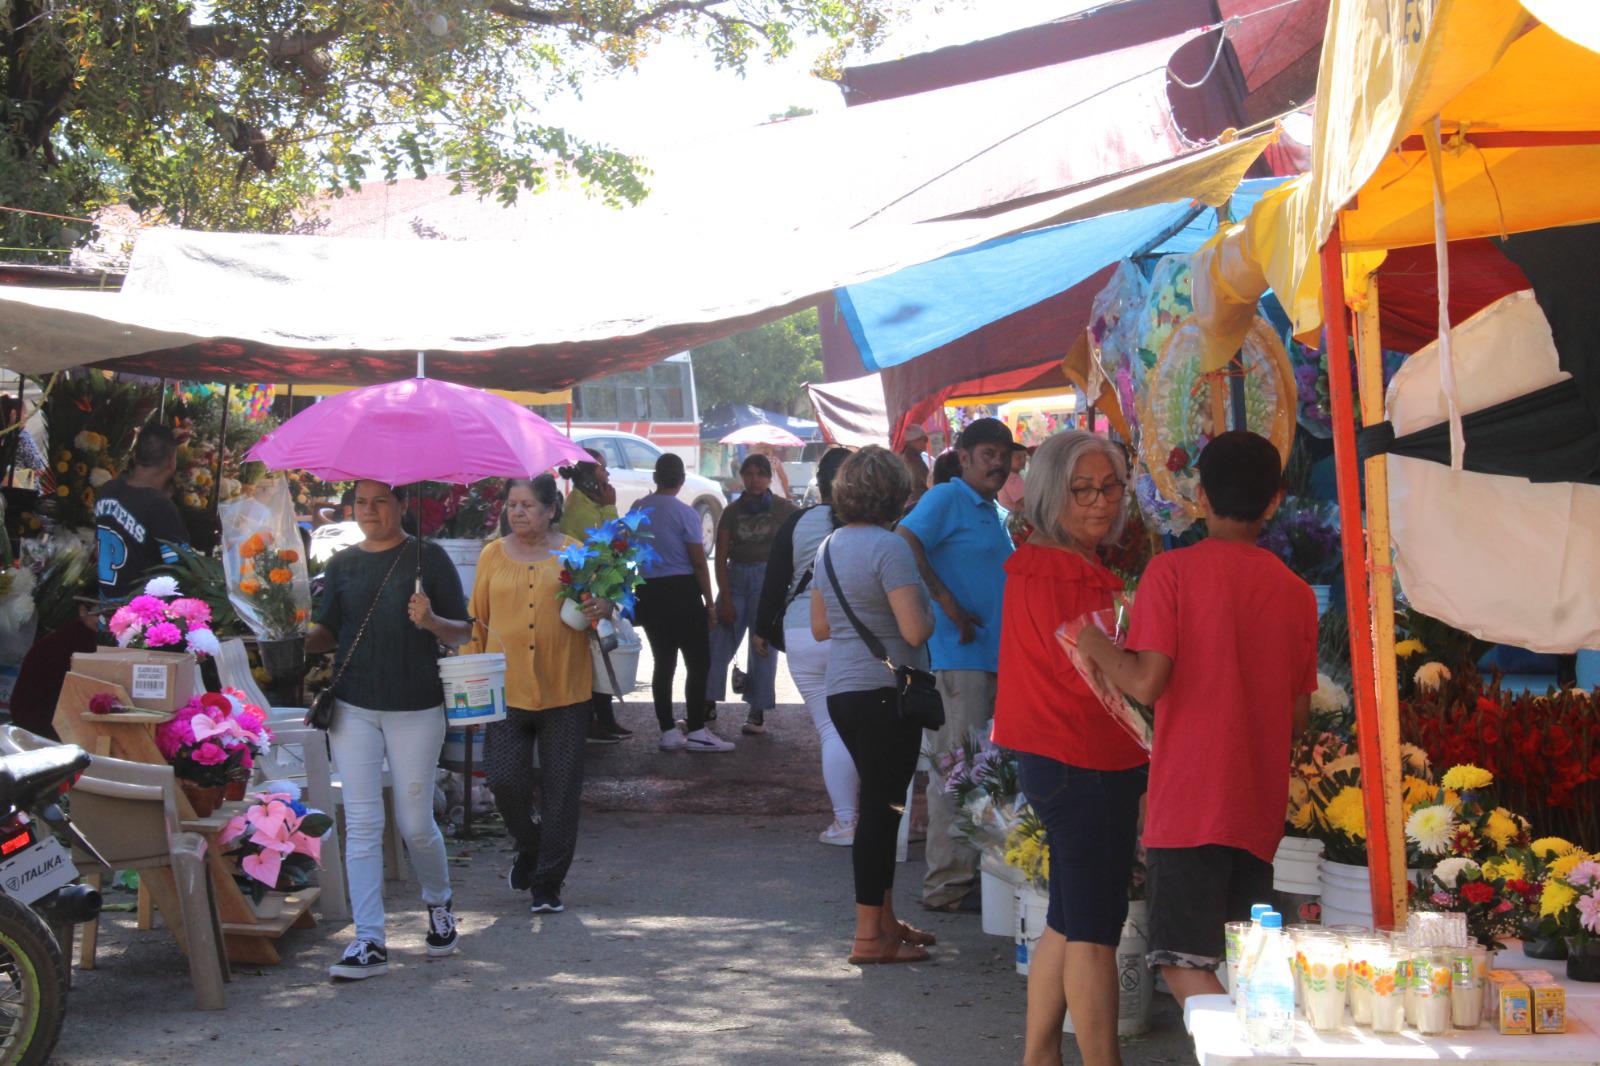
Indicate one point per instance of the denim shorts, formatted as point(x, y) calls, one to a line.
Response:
point(1091, 820)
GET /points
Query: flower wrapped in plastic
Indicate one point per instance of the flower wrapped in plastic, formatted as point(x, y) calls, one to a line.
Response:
point(1137, 720)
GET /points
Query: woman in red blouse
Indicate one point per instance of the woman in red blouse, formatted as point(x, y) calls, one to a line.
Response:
point(1081, 773)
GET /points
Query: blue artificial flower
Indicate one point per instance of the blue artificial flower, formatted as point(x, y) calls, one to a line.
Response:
point(636, 520)
point(298, 808)
point(574, 556)
point(645, 555)
point(626, 601)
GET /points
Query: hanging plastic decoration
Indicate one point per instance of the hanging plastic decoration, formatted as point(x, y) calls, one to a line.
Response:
point(1114, 337)
point(1182, 405)
point(255, 401)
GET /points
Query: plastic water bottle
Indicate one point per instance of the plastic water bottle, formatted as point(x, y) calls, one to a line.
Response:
point(1269, 993)
point(1252, 941)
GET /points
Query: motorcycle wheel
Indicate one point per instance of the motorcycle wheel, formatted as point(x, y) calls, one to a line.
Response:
point(33, 986)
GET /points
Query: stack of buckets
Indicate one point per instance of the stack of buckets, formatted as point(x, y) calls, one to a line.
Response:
point(474, 694)
point(1135, 984)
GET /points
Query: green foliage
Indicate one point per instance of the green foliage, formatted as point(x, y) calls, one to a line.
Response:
point(68, 573)
point(230, 114)
point(766, 366)
point(203, 578)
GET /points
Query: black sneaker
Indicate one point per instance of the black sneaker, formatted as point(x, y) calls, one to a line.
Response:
point(520, 877)
point(361, 960)
point(617, 731)
point(546, 902)
point(441, 929)
point(599, 734)
point(755, 723)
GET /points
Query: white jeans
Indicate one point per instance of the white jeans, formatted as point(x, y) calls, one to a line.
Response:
point(808, 665)
point(359, 740)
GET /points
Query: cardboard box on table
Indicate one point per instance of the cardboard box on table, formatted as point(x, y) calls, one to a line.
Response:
point(154, 680)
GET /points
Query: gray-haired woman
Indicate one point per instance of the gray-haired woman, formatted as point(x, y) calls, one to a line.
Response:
point(1080, 772)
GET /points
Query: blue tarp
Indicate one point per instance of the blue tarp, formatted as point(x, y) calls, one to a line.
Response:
point(913, 311)
point(724, 418)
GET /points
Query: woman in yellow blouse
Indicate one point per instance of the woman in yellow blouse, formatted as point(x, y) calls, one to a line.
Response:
point(592, 503)
point(548, 681)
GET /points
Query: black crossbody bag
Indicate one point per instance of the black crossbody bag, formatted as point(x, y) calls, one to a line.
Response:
point(917, 698)
point(320, 714)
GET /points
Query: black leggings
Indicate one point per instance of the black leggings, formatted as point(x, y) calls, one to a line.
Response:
point(885, 751)
point(552, 834)
point(674, 620)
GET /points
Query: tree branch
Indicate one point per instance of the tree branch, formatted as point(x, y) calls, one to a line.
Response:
point(536, 16)
point(229, 42)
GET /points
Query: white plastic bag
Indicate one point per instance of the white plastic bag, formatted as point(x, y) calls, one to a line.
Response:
point(263, 558)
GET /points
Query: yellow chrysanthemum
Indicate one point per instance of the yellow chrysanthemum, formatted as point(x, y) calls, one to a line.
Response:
point(1500, 827)
point(1564, 865)
point(1467, 777)
point(1304, 817)
point(1505, 867)
point(1417, 791)
point(1347, 814)
point(1555, 899)
point(1552, 847)
point(1407, 648)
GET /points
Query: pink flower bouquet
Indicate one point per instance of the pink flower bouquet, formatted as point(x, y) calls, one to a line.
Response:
point(276, 843)
point(215, 738)
point(161, 620)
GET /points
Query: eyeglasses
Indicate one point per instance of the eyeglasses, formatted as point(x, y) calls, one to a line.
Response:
point(1088, 494)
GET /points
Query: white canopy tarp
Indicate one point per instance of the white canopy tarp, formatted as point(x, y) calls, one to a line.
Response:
point(591, 295)
point(1503, 558)
point(853, 413)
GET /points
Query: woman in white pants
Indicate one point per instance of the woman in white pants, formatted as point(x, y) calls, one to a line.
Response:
point(785, 623)
point(389, 705)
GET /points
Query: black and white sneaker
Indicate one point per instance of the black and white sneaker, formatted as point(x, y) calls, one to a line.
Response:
point(520, 877)
point(547, 902)
point(361, 960)
point(441, 929)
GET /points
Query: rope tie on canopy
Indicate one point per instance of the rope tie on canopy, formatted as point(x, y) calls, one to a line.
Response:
point(1441, 249)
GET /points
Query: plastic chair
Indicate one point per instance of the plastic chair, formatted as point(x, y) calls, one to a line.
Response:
point(319, 793)
point(129, 812)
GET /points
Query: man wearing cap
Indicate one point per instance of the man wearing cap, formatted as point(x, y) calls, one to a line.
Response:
point(914, 453)
point(961, 546)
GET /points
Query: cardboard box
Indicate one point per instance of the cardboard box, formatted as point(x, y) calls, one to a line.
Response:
point(1512, 1002)
point(154, 680)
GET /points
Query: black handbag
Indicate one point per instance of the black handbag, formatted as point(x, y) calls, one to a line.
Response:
point(320, 714)
point(917, 698)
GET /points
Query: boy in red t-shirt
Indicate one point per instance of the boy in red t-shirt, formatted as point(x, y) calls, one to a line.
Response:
point(1224, 644)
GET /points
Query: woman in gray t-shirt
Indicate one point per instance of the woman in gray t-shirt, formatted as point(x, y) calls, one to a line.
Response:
point(873, 570)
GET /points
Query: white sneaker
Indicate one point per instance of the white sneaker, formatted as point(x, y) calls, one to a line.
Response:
point(673, 739)
point(703, 739)
point(838, 834)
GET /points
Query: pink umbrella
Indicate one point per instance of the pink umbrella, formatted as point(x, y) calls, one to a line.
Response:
point(415, 430)
point(764, 434)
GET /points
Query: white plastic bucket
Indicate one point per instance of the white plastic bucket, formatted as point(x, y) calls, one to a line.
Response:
point(474, 688)
point(624, 660)
point(1135, 982)
point(998, 890)
point(454, 755)
point(1032, 904)
point(464, 554)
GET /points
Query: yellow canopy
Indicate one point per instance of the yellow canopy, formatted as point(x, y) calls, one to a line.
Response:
point(1519, 114)
point(527, 399)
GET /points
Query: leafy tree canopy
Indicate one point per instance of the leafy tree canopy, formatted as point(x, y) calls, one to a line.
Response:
point(766, 366)
point(229, 114)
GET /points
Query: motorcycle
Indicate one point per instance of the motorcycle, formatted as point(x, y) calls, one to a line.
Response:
point(39, 891)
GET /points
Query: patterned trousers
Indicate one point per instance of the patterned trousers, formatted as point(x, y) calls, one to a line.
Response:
point(552, 832)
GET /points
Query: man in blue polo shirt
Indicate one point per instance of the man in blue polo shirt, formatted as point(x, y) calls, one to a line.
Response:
point(961, 545)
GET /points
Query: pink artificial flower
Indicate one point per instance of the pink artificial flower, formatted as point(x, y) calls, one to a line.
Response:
point(209, 754)
point(206, 726)
point(1589, 912)
point(168, 744)
point(102, 703)
point(252, 716)
point(194, 612)
point(1503, 906)
point(148, 608)
point(1584, 874)
point(122, 620)
point(246, 761)
point(173, 736)
point(1441, 899)
point(163, 634)
point(233, 830)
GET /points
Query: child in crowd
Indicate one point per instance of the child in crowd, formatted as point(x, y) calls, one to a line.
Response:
point(1224, 643)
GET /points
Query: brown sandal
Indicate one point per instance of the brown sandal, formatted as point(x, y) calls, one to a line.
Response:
point(910, 934)
point(898, 951)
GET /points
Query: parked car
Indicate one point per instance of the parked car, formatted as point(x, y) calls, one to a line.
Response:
point(632, 461)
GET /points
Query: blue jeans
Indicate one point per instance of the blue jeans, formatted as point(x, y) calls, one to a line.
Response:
point(744, 588)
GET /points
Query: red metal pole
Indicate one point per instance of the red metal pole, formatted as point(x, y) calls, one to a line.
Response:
point(1357, 600)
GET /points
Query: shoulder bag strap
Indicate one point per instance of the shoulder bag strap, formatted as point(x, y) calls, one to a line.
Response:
point(362, 631)
point(874, 645)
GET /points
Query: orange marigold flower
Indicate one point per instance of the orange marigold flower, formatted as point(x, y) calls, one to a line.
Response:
point(300, 614)
point(281, 575)
point(249, 586)
point(289, 555)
